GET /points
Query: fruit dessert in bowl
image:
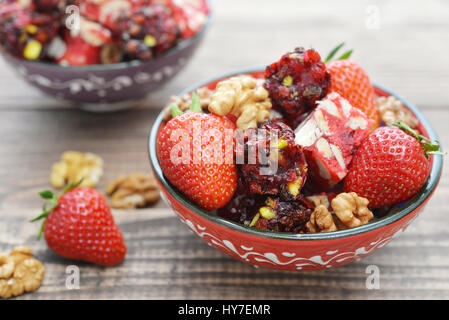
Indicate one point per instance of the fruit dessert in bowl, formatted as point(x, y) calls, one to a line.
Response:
point(302, 165)
point(104, 55)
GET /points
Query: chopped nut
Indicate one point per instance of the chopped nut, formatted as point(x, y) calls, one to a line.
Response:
point(254, 220)
point(242, 97)
point(6, 266)
point(393, 110)
point(267, 213)
point(26, 274)
point(184, 103)
point(321, 220)
point(135, 190)
point(31, 272)
point(351, 209)
point(75, 166)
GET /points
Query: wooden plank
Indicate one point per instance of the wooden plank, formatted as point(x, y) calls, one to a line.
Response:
point(166, 261)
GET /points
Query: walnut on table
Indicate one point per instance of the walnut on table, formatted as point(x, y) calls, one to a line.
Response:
point(20, 253)
point(26, 276)
point(243, 97)
point(75, 166)
point(30, 272)
point(185, 101)
point(6, 266)
point(393, 110)
point(136, 190)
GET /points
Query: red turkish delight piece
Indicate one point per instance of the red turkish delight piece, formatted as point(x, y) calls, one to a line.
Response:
point(79, 52)
point(190, 15)
point(106, 12)
point(330, 136)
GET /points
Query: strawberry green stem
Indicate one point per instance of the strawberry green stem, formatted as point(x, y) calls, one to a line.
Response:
point(426, 143)
point(334, 51)
point(345, 55)
point(175, 111)
point(196, 104)
point(53, 202)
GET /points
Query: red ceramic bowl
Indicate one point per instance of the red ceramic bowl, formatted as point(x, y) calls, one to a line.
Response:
point(286, 251)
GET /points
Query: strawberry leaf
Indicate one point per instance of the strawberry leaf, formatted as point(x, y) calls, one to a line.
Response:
point(47, 194)
point(72, 186)
point(175, 111)
point(428, 146)
point(333, 52)
point(345, 55)
point(53, 203)
point(41, 216)
point(41, 230)
point(196, 104)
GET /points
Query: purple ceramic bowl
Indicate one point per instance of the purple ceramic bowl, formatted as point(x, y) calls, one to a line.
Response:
point(106, 88)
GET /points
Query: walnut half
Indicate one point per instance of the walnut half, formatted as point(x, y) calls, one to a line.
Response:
point(393, 110)
point(75, 166)
point(242, 97)
point(321, 220)
point(23, 274)
point(136, 190)
point(351, 209)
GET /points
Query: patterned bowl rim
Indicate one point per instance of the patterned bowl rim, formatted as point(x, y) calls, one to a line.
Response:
point(123, 65)
point(394, 215)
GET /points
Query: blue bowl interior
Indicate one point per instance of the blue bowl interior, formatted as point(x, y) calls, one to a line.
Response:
point(395, 214)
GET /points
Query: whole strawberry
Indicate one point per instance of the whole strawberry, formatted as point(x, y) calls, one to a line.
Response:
point(390, 166)
point(196, 155)
point(79, 226)
point(353, 84)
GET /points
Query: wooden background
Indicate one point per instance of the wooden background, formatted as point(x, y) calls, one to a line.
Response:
point(406, 53)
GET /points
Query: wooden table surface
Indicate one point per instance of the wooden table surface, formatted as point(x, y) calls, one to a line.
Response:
point(406, 53)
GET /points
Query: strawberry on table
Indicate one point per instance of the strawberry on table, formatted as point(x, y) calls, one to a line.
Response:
point(196, 155)
point(391, 165)
point(79, 226)
point(353, 84)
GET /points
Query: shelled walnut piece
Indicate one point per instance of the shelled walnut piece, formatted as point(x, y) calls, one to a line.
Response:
point(136, 190)
point(75, 166)
point(185, 101)
point(350, 211)
point(244, 98)
point(321, 220)
point(26, 276)
point(393, 110)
